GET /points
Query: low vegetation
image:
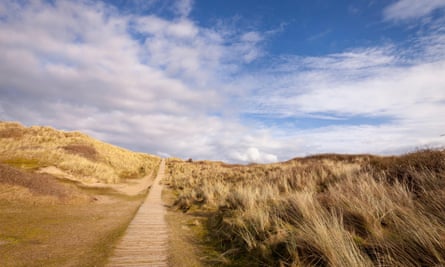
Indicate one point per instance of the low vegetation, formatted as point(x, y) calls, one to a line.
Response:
point(325, 210)
point(84, 158)
point(71, 217)
point(37, 185)
point(56, 233)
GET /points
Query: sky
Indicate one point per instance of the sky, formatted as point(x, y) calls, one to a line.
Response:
point(238, 81)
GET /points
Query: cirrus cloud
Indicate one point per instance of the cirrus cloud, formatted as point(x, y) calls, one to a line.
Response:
point(412, 9)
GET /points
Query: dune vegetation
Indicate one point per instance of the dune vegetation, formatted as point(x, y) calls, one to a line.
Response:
point(84, 158)
point(73, 214)
point(325, 210)
point(322, 210)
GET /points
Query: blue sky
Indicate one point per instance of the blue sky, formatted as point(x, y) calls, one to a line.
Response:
point(240, 81)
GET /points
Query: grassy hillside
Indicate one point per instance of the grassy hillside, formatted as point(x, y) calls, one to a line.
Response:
point(47, 220)
point(326, 210)
point(84, 158)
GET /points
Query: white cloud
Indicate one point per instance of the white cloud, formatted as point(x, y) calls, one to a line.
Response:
point(395, 95)
point(77, 65)
point(172, 87)
point(182, 29)
point(253, 37)
point(253, 155)
point(400, 90)
point(365, 82)
point(352, 60)
point(183, 7)
point(412, 9)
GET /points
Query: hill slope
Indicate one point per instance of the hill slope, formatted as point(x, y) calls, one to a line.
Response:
point(82, 157)
point(47, 220)
point(324, 210)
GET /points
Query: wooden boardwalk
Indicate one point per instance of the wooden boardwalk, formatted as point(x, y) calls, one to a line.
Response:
point(146, 238)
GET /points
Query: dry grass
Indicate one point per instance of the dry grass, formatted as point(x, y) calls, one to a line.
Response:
point(85, 158)
point(61, 234)
point(325, 210)
point(38, 184)
point(47, 222)
point(185, 234)
point(67, 220)
point(86, 151)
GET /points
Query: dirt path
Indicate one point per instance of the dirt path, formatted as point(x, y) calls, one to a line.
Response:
point(145, 242)
point(129, 187)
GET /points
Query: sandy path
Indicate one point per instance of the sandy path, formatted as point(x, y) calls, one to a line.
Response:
point(129, 187)
point(145, 243)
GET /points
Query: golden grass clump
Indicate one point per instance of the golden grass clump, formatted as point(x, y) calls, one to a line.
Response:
point(324, 210)
point(86, 159)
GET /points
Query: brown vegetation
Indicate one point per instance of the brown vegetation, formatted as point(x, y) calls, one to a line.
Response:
point(61, 234)
point(73, 217)
point(325, 210)
point(86, 151)
point(37, 184)
point(47, 222)
point(84, 158)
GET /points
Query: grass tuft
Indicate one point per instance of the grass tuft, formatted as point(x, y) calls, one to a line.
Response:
point(323, 210)
point(84, 158)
